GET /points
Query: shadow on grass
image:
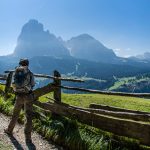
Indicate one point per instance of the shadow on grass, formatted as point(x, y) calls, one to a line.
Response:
point(64, 132)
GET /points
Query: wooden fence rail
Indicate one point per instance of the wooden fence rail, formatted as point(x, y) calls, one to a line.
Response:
point(122, 127)
point(135, 115)
point(2, 78)
point(8, 82)
point(52, 77)
point(56, 78)
point(145, 95)
point(129, 123)
point(116, 109)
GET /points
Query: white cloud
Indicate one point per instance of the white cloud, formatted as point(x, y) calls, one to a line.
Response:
point(123, 52)
point(117, 51)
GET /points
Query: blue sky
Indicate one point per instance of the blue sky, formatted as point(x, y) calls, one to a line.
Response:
point(123, 25)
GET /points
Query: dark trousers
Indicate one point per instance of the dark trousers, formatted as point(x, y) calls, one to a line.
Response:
point(25, 100)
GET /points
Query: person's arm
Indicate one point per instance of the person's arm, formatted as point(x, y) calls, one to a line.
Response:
point(32, 80)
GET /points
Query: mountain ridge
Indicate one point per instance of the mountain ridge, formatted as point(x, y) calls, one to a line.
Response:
point(88, 58)
point(84, 46)
point(34, 41)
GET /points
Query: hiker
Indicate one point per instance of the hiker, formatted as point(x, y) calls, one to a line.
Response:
point(23, 85)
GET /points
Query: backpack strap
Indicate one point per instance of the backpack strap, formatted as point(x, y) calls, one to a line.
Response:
point(31, 78)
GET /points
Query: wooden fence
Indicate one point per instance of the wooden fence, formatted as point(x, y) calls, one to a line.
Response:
point(122, 122)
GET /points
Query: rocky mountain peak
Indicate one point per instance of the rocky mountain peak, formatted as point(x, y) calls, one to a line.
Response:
point(87, 47)
point(32, 26)
point(35, 41)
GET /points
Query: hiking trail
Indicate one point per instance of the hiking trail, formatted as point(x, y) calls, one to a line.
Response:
point(17, 141)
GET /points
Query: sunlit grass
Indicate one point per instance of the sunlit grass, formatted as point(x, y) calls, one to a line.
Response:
point(74, 135)
point(4, 146)
point(84, 100)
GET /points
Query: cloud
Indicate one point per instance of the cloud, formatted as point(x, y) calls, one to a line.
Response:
point(117, 51)
point(123, 52)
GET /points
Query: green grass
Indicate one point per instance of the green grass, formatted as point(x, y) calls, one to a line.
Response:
point(121, 81)
point(128, 81)
point(84, 100)
point(74, 135)
point(61, 130)
point(4, 146)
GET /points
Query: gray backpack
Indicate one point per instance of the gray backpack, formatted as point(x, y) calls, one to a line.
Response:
point(22, 80)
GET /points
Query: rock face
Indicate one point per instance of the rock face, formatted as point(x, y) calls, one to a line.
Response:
point(34, 41)
point(86, 47)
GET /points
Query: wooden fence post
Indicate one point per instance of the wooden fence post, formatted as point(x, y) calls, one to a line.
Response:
point(57, 82)
point(8, 83)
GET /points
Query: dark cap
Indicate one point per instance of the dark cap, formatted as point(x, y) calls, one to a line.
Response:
point(24, 62)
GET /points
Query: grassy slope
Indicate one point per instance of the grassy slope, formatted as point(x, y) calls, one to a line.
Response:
point(121, 81)
point(83, 100)
point(129, 81)
point(74, 135)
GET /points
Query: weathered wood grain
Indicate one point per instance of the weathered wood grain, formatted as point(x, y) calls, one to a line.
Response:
point(119, 114)
point(2, 78)
point(8, 83)
point(43, 90)
point(122, 127)
point(116, 109)
point(57, 83)
point(146, 95)
point(51, 77)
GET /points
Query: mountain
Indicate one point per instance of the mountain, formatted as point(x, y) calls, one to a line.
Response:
point(80, 67)
point(74, 66)
point(86, 47)
point(142, 57)
point(34, 41)
point(81, 56)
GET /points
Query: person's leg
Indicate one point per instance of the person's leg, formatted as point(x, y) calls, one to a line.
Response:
point(29, 113)
point(16, 111)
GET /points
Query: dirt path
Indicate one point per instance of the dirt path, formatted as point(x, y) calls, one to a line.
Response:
point(18, 142)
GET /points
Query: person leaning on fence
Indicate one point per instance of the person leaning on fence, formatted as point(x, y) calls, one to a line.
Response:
point(23, 85)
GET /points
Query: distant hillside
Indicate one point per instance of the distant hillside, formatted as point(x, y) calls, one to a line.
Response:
point(74, 66)
point(86, 47)
point(143, 57)
point(137, 84)
point(80, 67)
point(34, 41)
point(97, 75)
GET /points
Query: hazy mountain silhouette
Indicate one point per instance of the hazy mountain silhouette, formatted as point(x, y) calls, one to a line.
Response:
point(81, 55)
point(142, 57)
point(34, 41)
point(86, 47)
